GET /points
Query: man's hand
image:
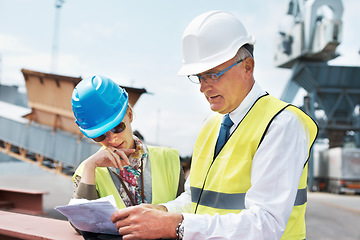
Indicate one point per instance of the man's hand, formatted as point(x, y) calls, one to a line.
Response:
point(146, 222)
point(155, 206)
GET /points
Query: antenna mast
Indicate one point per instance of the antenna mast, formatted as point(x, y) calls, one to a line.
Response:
point(55, 47)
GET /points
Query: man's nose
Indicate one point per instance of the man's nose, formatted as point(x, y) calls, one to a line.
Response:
point(204, 86)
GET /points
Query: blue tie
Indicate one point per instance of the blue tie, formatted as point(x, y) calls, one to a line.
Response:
point(224, 133)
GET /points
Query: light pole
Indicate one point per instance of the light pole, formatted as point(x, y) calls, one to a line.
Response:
point(55, 46)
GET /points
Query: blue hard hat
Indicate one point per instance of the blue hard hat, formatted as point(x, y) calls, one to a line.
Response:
point(98, 104)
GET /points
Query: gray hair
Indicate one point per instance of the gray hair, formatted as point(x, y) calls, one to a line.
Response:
point(242, 54)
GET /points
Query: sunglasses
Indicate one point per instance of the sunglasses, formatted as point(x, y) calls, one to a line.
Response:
point(118, 129)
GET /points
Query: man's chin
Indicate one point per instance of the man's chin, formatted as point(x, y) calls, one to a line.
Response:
point(215, 108)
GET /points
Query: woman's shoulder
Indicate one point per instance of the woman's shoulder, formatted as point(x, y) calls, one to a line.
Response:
point(167, 152)
point(161, 149)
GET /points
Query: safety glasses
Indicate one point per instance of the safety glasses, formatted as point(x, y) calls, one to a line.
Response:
point(211, 77)
point(118, 129)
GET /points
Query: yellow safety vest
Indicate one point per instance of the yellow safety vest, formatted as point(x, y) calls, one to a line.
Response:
point(219, 185)
point(165, 172)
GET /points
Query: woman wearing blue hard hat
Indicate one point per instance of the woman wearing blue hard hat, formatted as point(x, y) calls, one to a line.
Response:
point(123, 167)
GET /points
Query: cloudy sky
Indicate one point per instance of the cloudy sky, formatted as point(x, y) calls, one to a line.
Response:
point(138, 44)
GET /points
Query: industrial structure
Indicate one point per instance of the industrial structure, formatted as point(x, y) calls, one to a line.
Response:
point(39, 127)
point(45, 133)
point(333, 92)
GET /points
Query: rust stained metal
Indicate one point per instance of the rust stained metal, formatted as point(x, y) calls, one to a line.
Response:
point(49, 98)
point(23, 200)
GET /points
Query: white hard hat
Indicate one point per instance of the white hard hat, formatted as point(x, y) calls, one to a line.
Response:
point(211, 39)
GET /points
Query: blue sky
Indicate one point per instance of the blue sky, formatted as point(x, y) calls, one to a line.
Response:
point(138, 44)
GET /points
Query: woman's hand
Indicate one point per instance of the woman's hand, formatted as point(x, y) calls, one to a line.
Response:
point(110, 157)
point(106, 157)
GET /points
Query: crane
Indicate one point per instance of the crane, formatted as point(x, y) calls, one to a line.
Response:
point(315, 33)
point(333, 92)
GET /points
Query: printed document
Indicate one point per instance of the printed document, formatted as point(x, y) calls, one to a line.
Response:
point(91, 215)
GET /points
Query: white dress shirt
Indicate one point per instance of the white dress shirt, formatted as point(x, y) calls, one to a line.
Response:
point(275, 175)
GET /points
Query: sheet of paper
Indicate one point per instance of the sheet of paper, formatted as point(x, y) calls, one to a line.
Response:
point(91, 216)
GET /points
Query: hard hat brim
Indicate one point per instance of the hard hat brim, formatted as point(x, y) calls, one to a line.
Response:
point(202, 66)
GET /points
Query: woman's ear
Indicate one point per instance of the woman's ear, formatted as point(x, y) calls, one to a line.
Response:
point(129, 112)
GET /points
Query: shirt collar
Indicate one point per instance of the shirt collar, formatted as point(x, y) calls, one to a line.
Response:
point(239, 113)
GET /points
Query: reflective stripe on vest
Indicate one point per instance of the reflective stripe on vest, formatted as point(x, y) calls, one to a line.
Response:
point(234, 200)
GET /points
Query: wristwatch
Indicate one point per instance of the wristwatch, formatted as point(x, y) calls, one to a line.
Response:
point(180, 230)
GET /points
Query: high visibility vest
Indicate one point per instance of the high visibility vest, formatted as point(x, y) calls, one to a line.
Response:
point(165, 172)
point(219, 185)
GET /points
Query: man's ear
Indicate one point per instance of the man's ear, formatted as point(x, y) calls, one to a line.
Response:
point(249, 64)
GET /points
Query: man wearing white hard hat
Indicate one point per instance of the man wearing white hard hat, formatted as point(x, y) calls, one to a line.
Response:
point(248, 178)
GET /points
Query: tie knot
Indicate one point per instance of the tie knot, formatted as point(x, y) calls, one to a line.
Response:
point(227, 121)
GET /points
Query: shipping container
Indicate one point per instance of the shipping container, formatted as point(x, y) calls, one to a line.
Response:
point(337, 170)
